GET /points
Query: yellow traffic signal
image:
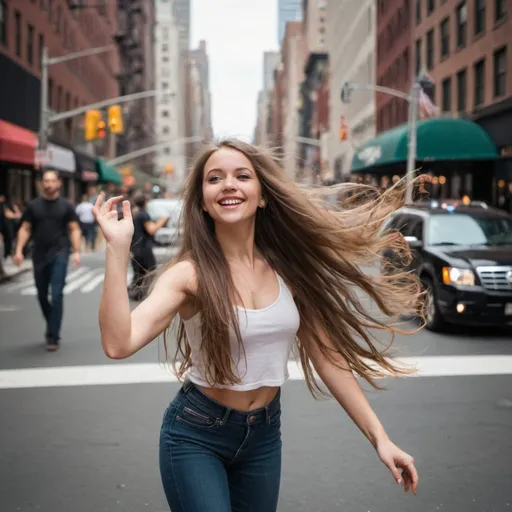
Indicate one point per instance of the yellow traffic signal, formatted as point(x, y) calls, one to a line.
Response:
point(169, 169)
point(101, 130)
point(92, 118)
point(115, 119)
point(343, 129)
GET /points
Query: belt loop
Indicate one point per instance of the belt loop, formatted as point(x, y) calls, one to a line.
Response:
point(267, 415)
point(186, 386)
point(224, 419)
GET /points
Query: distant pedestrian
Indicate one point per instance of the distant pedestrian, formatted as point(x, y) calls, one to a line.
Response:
point(54, 226)
point(263, 266)
point(143, 258)
point(87, 222)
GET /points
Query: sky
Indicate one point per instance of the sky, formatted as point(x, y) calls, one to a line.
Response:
point(237, 32)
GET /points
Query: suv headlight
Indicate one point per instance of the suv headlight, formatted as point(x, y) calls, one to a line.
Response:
point(458, 276)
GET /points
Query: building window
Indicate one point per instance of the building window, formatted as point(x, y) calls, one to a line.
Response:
point(479, 77)
point(165, 48)
point(417, 11)
point(40, 49)
point(500, 72)
point(165, 131)
point(30, 44)
point(430, 49)
point(3, 22)
point(17, 33)
point(462, 90)
point(462, 24)
point(445, 37)
point(167, 151)
point(165, 113)
point(431, 5)
point(447, 94)
point(479, 17)
point(500, 9)
point(418, 56)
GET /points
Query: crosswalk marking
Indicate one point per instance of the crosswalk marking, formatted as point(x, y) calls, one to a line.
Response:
point(83, 280)
point(145, 373)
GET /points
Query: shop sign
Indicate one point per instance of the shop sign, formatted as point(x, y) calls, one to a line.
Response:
point(89, 176)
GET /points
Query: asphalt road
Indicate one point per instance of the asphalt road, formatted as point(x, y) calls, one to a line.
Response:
point(80, 432)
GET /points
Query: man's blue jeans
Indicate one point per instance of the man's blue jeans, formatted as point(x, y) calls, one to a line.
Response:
point(52, 273)
point(216, 459)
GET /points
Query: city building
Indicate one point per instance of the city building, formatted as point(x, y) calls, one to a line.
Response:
point(350, 31)
point(394, 60)
point(292, 59)
point(199, 104)
point(287, 10)
point(169, 159)
point(135, 43)
point(270, 62)
point(314, 92)
point(466, 48)
point(26, 27)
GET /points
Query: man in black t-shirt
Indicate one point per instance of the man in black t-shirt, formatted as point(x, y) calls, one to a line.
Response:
point(54, 225)
point(143, 260)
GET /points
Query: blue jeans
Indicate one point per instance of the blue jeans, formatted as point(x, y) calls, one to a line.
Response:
point(216, 459)
point(52, 272)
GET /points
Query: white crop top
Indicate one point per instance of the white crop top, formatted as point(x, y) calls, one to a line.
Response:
point(267, 335)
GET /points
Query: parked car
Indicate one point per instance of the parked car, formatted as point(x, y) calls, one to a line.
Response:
point(463, 257)
point(171, 233)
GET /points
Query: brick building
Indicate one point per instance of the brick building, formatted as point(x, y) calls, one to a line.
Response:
point(466, 47)
point(26, 26)
point(394, 60)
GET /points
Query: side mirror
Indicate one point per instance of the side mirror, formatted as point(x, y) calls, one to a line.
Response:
point(412, 242)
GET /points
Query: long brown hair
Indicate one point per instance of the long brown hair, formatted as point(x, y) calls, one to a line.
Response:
point(316, 247)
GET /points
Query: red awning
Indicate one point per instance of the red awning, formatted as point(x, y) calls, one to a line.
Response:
point(17, 144)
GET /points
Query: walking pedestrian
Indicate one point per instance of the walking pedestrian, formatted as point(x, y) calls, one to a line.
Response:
point(263, 266)
point(53, 225)
point(143, 258)
point(87, 222)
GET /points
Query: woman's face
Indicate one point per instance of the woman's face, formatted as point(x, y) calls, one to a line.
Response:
point(231, 188)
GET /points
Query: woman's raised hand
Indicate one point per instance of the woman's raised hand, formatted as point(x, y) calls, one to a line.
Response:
point(116, 232)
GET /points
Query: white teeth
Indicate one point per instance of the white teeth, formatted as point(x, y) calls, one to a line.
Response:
point(231, 201)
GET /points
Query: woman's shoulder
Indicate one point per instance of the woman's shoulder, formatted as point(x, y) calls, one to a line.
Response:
point(182, 275)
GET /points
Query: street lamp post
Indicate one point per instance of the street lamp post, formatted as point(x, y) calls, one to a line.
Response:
point(46, 62)
point(413, 99)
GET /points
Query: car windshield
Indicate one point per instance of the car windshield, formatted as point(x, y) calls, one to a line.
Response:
point(463, 229)
point(158, 208)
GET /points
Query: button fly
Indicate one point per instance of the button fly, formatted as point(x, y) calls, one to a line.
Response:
point(252, 419)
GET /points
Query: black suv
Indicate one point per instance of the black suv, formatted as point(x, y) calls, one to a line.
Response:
point(463, 256)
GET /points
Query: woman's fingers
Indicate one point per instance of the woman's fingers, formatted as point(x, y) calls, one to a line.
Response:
point(107, 207)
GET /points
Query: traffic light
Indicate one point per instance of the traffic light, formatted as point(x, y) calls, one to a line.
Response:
point(92, 119)
point(115, 119)
point(169, 169)
point(343, 129)
point(101, 129)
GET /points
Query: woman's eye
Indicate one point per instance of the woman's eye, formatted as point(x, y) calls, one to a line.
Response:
point(243, 176)
point(213, 179)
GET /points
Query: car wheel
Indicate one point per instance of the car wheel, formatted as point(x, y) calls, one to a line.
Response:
point(434, 320)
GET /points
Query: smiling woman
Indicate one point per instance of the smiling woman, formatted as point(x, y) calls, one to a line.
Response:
point(263, 266)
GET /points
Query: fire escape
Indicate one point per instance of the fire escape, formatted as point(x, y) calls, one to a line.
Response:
point(133, 23)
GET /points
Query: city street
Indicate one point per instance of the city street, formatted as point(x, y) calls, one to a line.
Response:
point(80, 432)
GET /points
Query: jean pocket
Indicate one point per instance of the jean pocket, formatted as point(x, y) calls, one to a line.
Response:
point(195, 418)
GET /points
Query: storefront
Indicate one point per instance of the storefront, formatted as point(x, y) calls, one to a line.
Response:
point(108, 175)
point(458, 156)
point(17, 158)
point(497, 122)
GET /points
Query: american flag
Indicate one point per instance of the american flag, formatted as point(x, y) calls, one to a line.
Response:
point(427, 106)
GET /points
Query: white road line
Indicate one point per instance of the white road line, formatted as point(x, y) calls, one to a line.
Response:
point(76, 283)
point(146, 373)
point(93, 283)
point(72, 275)
point(26, 281)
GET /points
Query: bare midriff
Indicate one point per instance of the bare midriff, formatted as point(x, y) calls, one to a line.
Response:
point(242, 400)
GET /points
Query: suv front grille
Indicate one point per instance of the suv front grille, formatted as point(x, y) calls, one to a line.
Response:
point(498, 279)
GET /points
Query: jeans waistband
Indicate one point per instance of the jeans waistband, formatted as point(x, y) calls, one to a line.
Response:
point(224, 413)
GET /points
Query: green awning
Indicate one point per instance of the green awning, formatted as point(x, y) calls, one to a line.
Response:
point(437, 139)
point(107, 174)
